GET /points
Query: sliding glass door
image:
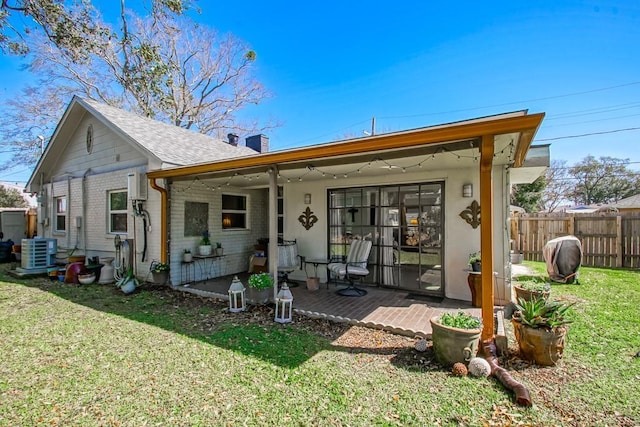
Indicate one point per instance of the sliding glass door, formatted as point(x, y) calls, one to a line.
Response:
point(405, 224)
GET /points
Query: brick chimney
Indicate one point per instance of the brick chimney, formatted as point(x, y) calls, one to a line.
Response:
point(260, 143)
point(233, 139)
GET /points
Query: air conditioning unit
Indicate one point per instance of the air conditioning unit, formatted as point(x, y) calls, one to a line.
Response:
point(38, 254)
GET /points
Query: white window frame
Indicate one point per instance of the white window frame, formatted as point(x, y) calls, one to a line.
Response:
point(236, 211)
point(111, 212)
point(61, 213)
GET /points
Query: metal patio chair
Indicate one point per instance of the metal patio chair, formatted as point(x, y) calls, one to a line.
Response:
point(354, 267)
point(288, 260)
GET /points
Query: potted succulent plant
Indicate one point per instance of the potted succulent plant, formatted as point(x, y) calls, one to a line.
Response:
point(205, 244)
point(160, 272)
point(187, 256)
point(455, 337)
point(219, 249)
point(260, 288)
point(540, 327)
point(474, 261)
point(128, 282)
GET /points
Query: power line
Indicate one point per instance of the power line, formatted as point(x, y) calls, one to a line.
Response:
point(591, 111)
point(593, 121)
point(474, 109)
point(588, 134)
point(516, 102)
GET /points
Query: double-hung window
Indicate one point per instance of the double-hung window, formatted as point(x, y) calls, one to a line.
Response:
point(61, 214)
point(117, 211)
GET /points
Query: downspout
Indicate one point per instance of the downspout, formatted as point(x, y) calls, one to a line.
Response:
point(163, 218)
point(84, 211)
point(69, 212)
point(486, 234)
point(43, 208)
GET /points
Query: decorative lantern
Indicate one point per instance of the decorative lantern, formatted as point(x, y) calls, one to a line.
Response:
point(236, 296)
point(284, 305)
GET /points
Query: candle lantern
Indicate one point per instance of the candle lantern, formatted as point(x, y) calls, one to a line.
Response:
point(236, 296)
point(284, 305)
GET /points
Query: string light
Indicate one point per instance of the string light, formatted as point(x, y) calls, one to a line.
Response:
point(311, 169)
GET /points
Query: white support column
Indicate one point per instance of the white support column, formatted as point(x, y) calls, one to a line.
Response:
point(273, 228)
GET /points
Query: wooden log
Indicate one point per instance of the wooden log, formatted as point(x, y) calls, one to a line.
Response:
point(522, 394)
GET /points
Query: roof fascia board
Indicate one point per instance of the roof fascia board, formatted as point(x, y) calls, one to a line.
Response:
point(61, 124)
point(526, 124)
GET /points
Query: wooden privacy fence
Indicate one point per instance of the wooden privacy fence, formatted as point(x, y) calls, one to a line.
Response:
point(608, 240)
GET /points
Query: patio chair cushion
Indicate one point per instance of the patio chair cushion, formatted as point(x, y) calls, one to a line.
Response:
point(359, 254)
point(356, 262)
point(340, 269)
point(288, 259)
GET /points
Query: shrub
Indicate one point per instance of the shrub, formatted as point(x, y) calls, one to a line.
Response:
point(460, 320)
point(261, 281)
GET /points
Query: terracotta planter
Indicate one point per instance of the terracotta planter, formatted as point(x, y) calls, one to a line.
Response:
point(475, 286)
point(527, 294)
point(540, 345)
point(313, 283)
point(452, 345)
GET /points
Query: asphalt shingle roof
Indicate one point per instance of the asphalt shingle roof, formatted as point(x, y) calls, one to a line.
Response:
point(629, 202)
point(170, 144)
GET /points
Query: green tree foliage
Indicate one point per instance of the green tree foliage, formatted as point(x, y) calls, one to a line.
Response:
point(601, 181)
point(69, 25)
point(529, 196)
point(11, 198)
point(162, 65)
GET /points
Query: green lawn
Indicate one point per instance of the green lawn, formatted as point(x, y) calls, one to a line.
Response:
point(91, 356)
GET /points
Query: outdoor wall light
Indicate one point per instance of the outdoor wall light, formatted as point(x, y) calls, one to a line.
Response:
point(467, 190)
point(307, 198)
point(236, 296)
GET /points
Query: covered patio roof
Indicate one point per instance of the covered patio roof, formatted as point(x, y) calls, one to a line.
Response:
point(481, 143)
point(513, 133)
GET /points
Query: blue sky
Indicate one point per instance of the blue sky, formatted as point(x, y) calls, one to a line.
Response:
point(334, 65)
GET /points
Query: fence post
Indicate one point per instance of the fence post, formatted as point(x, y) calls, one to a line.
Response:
point(571, 227)
point(619, 254)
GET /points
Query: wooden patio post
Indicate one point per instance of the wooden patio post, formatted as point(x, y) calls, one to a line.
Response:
point(273, 228)
point(486, 234)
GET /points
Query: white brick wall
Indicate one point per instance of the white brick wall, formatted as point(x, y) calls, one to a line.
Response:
point(237, 244)
point(92, 206)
